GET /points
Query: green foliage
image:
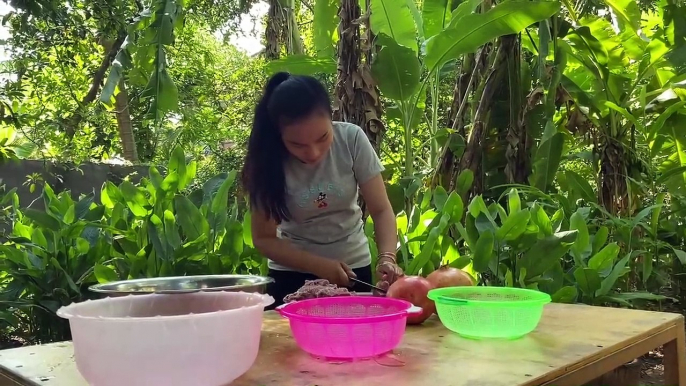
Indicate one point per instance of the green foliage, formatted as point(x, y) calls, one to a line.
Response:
point(398, 70)
point(566, 256)
point(504, 19)
point(395, 20)
point(58, 70)
point(10, 149)
point(324, 27)
point(146, 45)
point(426, 236)
point(48, 257)
point(152, 229)
point(302, 65)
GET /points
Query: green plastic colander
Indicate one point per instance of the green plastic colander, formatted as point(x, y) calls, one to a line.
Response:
point(489, 312)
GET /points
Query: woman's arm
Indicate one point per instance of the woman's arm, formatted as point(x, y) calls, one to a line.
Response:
point(385, 230)
point(284, 253)
point(280, 251)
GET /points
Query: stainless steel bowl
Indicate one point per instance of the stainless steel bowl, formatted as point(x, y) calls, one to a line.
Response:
point(184, 284)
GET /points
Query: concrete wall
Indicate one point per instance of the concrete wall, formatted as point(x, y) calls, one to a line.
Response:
point(83, 179)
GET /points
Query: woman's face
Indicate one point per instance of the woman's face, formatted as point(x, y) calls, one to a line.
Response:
point(309, 139)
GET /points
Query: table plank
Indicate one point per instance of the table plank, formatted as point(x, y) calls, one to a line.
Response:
point(571, 339)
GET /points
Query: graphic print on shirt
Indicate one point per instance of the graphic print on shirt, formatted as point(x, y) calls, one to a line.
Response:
point(318, 196)
point(321, 201)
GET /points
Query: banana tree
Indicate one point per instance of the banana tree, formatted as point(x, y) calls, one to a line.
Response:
point(627, 78)
point(325, 37)
point(282, 30)
point(405, 73)
point(357, 97)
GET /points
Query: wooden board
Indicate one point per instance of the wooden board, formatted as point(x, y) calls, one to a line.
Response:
point(572, 345)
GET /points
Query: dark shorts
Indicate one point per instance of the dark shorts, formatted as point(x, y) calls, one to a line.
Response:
point(287, 282)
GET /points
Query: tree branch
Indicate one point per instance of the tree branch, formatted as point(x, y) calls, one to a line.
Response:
point(72, 122)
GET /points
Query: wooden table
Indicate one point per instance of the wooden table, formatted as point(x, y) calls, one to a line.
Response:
point(572, 345)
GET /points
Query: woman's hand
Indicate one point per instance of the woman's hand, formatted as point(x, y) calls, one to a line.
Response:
point(388, 271)
point(336, 272)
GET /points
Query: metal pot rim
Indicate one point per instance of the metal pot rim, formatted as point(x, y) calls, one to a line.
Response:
point(134, 285)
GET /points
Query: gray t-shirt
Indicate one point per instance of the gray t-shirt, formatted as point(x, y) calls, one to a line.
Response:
point(322, 198)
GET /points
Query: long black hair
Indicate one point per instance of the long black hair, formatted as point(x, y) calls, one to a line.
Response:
point(286, 100)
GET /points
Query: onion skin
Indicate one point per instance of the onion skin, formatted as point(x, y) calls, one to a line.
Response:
point(414, 290)
point(447, 276)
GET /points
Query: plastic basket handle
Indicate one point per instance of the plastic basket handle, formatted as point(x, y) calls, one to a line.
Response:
point(457, 302)
point(280, 308)
point(267, 300)
point(414, 311)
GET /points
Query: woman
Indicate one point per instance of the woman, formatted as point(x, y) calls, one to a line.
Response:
point(303, 173)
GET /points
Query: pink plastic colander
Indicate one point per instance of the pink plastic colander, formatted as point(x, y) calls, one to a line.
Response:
point(348, 327)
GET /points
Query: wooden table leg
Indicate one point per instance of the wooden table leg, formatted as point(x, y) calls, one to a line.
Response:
point(675, 358)
point(6, 381)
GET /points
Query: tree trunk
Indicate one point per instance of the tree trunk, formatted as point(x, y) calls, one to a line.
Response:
point(291, 33)
point(357, 97)
point(471, 74)
point(518, 141)
point(613, 173)
point(475, 147)
point(128, 142)
point(275, 22)
point(121, 107)
point(460, 93)
point(448, 159)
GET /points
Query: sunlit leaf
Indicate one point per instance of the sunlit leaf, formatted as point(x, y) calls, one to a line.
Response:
point(505, 18)
point(588, 280)
point(541, 219)
point(397, 71)
point(394, 18)
point(514, 226)
point(463, 9)
point(603, 260)
point(324, 26)
point(580, 186)
point(514, 203)
point(105, 274)
point(565, 295)
point(546, 161)
point(302, 65)
point(545, 253)
point(483, 251)
point(578, 222)
point(435, 16)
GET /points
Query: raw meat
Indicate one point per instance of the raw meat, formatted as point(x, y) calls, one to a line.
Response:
point(319, 288)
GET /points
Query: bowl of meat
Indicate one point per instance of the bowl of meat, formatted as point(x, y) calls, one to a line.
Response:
point(332, 323)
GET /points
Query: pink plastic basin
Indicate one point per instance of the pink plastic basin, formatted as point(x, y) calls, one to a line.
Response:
point(348, 327)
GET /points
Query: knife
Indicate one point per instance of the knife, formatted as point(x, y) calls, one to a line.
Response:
point(368, 285)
